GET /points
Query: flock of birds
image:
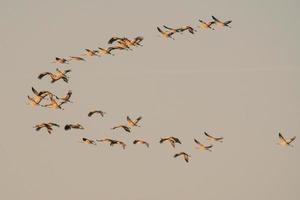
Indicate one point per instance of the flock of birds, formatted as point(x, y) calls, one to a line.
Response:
point(121, 43)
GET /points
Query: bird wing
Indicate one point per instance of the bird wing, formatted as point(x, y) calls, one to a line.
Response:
point(160, 30)
point(172, 29)
point(53, 124)
point(282, 138)
point(91, 113)
point(44, 74)
point(214, 18)
point(113, 39)
point(186, 158)
point(34, 91)
point(138, 119)
point(197, 142)
point(130, 122)
point(205, 133)
point(227, 22)
point(291, 140)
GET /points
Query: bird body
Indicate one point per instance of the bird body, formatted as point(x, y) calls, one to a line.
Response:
point(185, 156)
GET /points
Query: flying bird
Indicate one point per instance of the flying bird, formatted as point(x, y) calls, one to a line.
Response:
point(60, 60)
point(137, 41)
point(66, 98)
point(206, 25)
point(141, 142)
point(221, 23)
point(91, 113)
point(202, 146)
point(181, 29)
point(185, 156)
point(113, 142)
point(126, 128)
point(56, 76)
point(166, 34)
point(113, 39)
point(109, 49)
point(110, 141)
point(33, 101)
point(285, 142)
point(76, 58)
point(90, 52)
point(54, 104)
point(41, 93)
point(171, 140)
point(88, 141)
point(133, 122)
point(209, 137)
point(48, 126)
point(73, 126)
point(123, 45)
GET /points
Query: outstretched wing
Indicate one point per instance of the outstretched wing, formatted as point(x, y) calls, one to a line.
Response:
point(44, 74)
point(214, 18)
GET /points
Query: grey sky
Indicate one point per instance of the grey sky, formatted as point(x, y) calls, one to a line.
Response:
point(240, 83)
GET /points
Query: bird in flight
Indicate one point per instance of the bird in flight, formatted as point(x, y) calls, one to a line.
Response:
point(137, 41)
point(206, 25)
point(185, 156)
point(141, 142)
point(166, 34)
point(171, 140)
point(126, 128)
point(73, 126)
point(61, 60)
point(209, 137)
point(48, 126)
point(202, 146)
point(56, 76)
point(113, 142)
point(221, 23)
point(54, 104)
point(108, 50)
point(90, 52)
point(76, 58)
point(285, 142)
point(88, 141)
point(39, 96)
point(181, 29)
point(133, 122)
point(66, 99)
point(113, 39)
point(91, 113)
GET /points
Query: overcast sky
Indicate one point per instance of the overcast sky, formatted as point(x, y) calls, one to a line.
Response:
point(240, 83)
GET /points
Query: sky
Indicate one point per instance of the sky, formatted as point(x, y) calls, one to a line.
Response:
point(240, 83)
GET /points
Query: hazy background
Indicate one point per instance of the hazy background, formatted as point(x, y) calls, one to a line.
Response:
point(240, 83)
